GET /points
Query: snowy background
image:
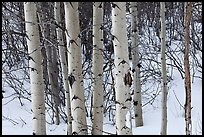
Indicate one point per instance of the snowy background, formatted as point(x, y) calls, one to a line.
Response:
point(16, 113)
point(16, 119)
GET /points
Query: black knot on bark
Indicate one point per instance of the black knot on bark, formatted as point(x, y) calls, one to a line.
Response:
point(71, 79)
point(128, 79)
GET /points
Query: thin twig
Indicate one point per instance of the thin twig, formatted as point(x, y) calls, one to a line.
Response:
point(178, 100)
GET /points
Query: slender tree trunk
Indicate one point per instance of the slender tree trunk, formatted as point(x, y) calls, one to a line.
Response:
point(48, 33)
point(75, 69)
point(97, 69)
point(137, 102)
point(36, 71)
point(62, 52)
point(164, 77)
point(187, 70)
point(123, 78)
point(55, 82)
point(50, 73)
point(55, 71)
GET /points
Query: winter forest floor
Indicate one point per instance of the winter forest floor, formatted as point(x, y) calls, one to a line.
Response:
point(16, 119)
point(16, 113)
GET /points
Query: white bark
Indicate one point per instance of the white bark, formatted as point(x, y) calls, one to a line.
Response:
point(62, 51)
point(97, 87)
point(121, 61)
point(36, 73)
point(137, 101)
point(75, 69)
point(164, 77)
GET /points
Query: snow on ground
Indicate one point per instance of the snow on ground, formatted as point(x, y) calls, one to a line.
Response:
point(20, 116)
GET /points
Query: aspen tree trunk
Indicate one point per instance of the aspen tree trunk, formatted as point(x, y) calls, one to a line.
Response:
point(36, 71)
point(97, 69)
point(55, 72)
point(48, 32)
point(75, 77)
point(50, 73)
point(62, 51)
point(121, 60)
point(137, 102)
point(187, 70)
point(55, 92)
point(164, 77)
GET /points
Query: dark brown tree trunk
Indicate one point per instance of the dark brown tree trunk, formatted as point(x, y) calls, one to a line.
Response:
point(187, 70)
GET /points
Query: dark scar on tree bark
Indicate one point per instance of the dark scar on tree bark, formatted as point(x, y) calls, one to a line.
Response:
point(71, 79)
point(116, 102)
point(73, 41)
point(135, 103)
point(122, 62)
point(115, 5)
point(128, 99)
point(128, 79)
point(125, 127)
point(124, 107)
point(75, 97)
point(74, 133)
point(30, 58)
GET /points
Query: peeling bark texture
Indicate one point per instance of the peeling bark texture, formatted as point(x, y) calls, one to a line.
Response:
point(136, 66)
point(187, 69)
point(121, 61)
point(62, 52)
point(79, 125)
point(36, 71)
point(164, 77)
point(97, 69)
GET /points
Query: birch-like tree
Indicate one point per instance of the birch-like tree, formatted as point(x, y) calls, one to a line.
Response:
point(97, 69)
point(188, 7)
point(137, 101)
point(55, 90)
point(164, 77)
point(55, 73)
point(36, 71)
point(75, 76)
point(64, 66)
point(48, 31)
point(123, 79)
